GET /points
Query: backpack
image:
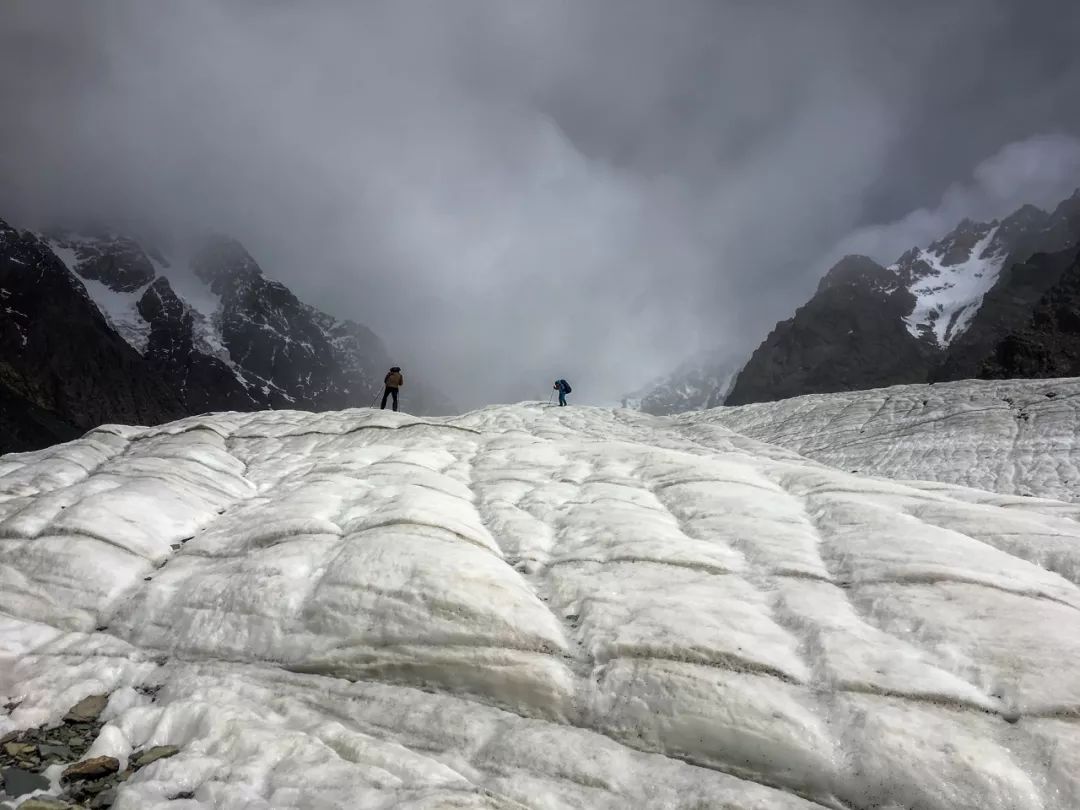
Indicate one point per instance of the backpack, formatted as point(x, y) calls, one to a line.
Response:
point(566, 389)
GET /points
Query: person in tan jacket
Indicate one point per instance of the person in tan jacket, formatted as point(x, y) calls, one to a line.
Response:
point(393, 382)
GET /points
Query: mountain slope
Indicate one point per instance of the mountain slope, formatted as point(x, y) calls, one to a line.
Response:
point(851, 334)
point(210, 320)
point(63, 369)
point(535, 607)
point(933, 315)
point(1049, 344)
point(1038, 258)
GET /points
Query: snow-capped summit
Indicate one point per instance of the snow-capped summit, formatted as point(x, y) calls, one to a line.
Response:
point(937, 313)
point(949, 280)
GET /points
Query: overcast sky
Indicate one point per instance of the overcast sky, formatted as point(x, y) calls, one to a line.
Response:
point(512, 191)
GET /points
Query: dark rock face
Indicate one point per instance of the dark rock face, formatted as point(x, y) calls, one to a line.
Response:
point(202, 382)
point(1049, 343)
point(115, 261)
point(857, 330)
point(851, 334)
point(63, 369)
point(1025, 278)
point(957, 247)
point(289, 354)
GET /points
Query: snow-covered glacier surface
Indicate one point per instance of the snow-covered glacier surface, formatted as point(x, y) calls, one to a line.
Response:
point(1018, 437)
point(535, 607)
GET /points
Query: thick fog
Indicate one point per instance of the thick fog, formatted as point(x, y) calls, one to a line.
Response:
point(513, 191)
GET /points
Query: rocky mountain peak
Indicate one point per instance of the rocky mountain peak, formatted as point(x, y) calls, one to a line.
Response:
point(221, 259)
point(7, 232)
point(859, 271)
point(117, 262)
point(1018, 226)
point(956, 247)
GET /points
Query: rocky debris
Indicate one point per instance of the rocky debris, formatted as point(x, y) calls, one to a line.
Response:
point(25, 754)
point(89, 783)
point(141, 759)
point(150, 691)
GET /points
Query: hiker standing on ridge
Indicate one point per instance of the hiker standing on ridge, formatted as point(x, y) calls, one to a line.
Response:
point(563, 387)
point(393, 382)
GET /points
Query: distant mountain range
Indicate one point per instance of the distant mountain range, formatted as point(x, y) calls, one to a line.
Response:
point(102, 327)
point(696, 385)
point(990, 299)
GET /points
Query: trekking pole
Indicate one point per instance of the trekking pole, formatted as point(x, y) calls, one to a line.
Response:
point(373, 401)
point(552, 394)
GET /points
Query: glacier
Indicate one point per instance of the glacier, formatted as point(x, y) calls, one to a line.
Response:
point(538, 607)
point(1016, 437)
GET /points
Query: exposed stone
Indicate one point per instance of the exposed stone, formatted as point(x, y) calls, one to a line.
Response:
point(45, 803)
point(85, 790)
point(61, 753)
point(90, 769)
point(87, 710)
point(104, 799)
point(19, 782)
point(19, 749)
point(144, 758)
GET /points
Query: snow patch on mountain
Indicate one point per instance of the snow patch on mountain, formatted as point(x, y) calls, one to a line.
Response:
point(537, 607)
point(948, 294)
point(119, 307)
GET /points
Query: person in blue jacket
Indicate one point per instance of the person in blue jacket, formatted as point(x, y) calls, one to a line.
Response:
point(563, 387)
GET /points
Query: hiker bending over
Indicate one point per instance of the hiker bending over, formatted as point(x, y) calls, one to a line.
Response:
point(563, 387)
point(393, 382)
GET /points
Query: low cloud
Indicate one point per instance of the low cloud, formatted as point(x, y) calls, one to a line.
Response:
point(1041, 170)
point(510, 192)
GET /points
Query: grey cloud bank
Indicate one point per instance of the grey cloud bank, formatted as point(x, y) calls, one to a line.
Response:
point(508, 193)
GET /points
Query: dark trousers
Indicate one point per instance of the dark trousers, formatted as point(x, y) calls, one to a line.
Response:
point(562, 397)
point(388, 393)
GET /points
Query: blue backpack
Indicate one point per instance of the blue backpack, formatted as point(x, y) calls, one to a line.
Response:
point(565, 386)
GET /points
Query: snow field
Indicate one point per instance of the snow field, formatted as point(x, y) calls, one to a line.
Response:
point(537, 607)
